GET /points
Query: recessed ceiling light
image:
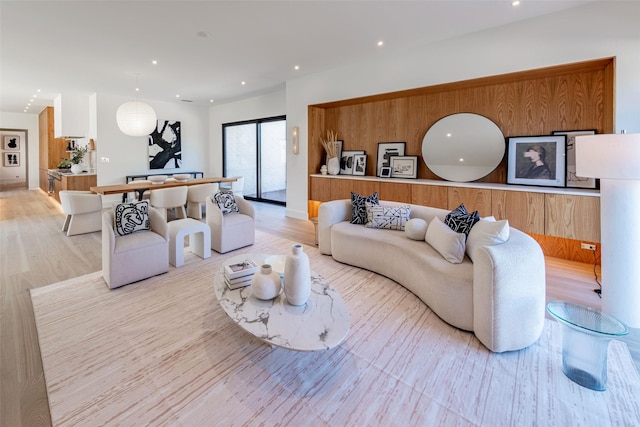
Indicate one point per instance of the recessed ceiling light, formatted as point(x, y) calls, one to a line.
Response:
point(178, 96)
point(297, 67)
point(211, 100)
point(154, 62)
point(380, 43)
point(137, 89)
point(515, 3)
point(243, 83)
point(38, 90)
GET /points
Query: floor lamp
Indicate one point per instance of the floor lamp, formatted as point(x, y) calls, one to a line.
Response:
point(615, 160)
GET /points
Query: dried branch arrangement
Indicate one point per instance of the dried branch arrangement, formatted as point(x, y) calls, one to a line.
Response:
point(329, 144)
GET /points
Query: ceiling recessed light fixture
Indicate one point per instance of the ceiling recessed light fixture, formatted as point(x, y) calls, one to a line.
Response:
point(515, 3)
point(211, 100)
point(243, 83)
point(177, 95)
point(154, 62)
point(380, 43)
point(296, 67)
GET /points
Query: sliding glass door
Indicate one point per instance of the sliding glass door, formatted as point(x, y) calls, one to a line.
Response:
point(256, 150)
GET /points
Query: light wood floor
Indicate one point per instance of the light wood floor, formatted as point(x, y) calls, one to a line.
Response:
point(34, 253)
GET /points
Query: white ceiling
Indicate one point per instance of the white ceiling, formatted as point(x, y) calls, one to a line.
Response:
point(107, 46)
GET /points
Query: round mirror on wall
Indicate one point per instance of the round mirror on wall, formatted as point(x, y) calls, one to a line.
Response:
point(463, 147)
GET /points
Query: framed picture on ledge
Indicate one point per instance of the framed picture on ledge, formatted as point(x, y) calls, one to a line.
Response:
point(404, 166)
point(360, 164)
point(573, 180)
point(346, 161)
point(386, 150)
point(537, 160)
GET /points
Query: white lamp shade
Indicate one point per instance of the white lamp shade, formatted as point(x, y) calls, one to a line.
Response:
point(608, 156)
point(136, 118)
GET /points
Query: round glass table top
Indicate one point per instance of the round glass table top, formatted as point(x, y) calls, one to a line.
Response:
point(586, 319)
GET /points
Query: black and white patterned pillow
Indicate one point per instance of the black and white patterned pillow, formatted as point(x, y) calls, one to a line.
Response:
point(460, 220)
point(226, 202)
point(358, 207)
point(389, 217)
point(131, 217)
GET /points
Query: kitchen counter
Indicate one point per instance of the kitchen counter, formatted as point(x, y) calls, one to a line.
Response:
point(64, 179)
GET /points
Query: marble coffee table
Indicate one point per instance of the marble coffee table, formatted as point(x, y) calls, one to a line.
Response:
point(322, 323)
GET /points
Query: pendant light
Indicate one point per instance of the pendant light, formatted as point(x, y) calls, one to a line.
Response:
point(136, 118)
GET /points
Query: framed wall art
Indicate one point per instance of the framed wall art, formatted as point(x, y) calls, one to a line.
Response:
point(404, 166)
point(385, 172)
point(11, 159)
point(572, 179)
point(360, 164)
point(346, 161)
point(537, 160)
point(386, 150)
point(11, 143)
point(165, 146)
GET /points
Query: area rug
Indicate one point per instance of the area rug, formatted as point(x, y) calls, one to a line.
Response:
point(163, 352)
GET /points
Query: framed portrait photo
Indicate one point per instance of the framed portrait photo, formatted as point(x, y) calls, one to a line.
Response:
point(346, 161)
point(11, 159)
point(404, 166)
point(572, 179)
point(537, 160)
point(385, 172)
point(11, 143)
point(386, 150)
point(360, 164)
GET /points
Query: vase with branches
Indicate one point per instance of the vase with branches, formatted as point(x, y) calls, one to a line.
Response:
point(77, 156)
point(330, 147)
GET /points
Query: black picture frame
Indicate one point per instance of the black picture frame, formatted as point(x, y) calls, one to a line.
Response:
point(572, 180)
point(385, 172)
point(386, 150)
point(11, 143)
point(537, 160)
point(360, 164)
point(11, 159)
point(346, 161)
point(404, 167)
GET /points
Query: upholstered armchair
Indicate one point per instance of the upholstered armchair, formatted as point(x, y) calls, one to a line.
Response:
point(170, 198)
point(233, 230)
point(196, 196)
point(83, 210)
point(135, 256)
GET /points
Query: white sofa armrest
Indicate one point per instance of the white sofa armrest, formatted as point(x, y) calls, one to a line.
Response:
point(245, 207)
point(158, 224)
point(509, 288)
point(330, 213)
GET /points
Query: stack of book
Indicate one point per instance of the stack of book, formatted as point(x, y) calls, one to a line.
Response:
point(239, 274)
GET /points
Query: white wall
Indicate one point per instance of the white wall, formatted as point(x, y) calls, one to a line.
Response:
point(29, 145)
point(128, 155)
point(596, 30)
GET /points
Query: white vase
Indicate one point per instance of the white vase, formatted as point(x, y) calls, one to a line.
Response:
point(333, 166)
point(297, 276)
point(76, 168)
point(266, 283)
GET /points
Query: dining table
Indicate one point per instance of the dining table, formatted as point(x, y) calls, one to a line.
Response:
point(141, 186)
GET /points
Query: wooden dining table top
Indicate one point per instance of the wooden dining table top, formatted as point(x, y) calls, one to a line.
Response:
point(147, 185)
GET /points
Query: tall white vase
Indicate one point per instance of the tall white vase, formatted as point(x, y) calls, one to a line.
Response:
point(297, 276)
point(333, 166)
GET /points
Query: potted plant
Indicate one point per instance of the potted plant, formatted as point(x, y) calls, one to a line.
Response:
point(77, 155)
point(329, 144)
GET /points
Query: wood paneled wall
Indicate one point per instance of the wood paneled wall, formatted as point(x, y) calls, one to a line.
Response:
point(535, 102)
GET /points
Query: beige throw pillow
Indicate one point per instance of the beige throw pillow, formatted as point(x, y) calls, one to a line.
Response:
point(447, 242)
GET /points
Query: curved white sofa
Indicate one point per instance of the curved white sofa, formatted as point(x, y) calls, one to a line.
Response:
point(500, 296)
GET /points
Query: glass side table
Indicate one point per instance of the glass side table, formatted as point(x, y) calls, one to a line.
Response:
point(586, 333)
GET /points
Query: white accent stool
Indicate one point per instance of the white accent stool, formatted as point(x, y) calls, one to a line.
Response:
point(199, 239)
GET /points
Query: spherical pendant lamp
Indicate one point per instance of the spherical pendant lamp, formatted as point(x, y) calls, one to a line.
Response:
point(136, 118)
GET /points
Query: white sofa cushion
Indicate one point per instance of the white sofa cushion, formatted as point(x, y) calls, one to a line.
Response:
point(486, 232)
point(448, 243)
point(416, 228)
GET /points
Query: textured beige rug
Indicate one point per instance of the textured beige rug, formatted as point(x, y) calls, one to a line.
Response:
point(162, 352)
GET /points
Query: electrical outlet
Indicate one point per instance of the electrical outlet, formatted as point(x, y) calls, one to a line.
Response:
point(588, 246)
point(104, 159)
